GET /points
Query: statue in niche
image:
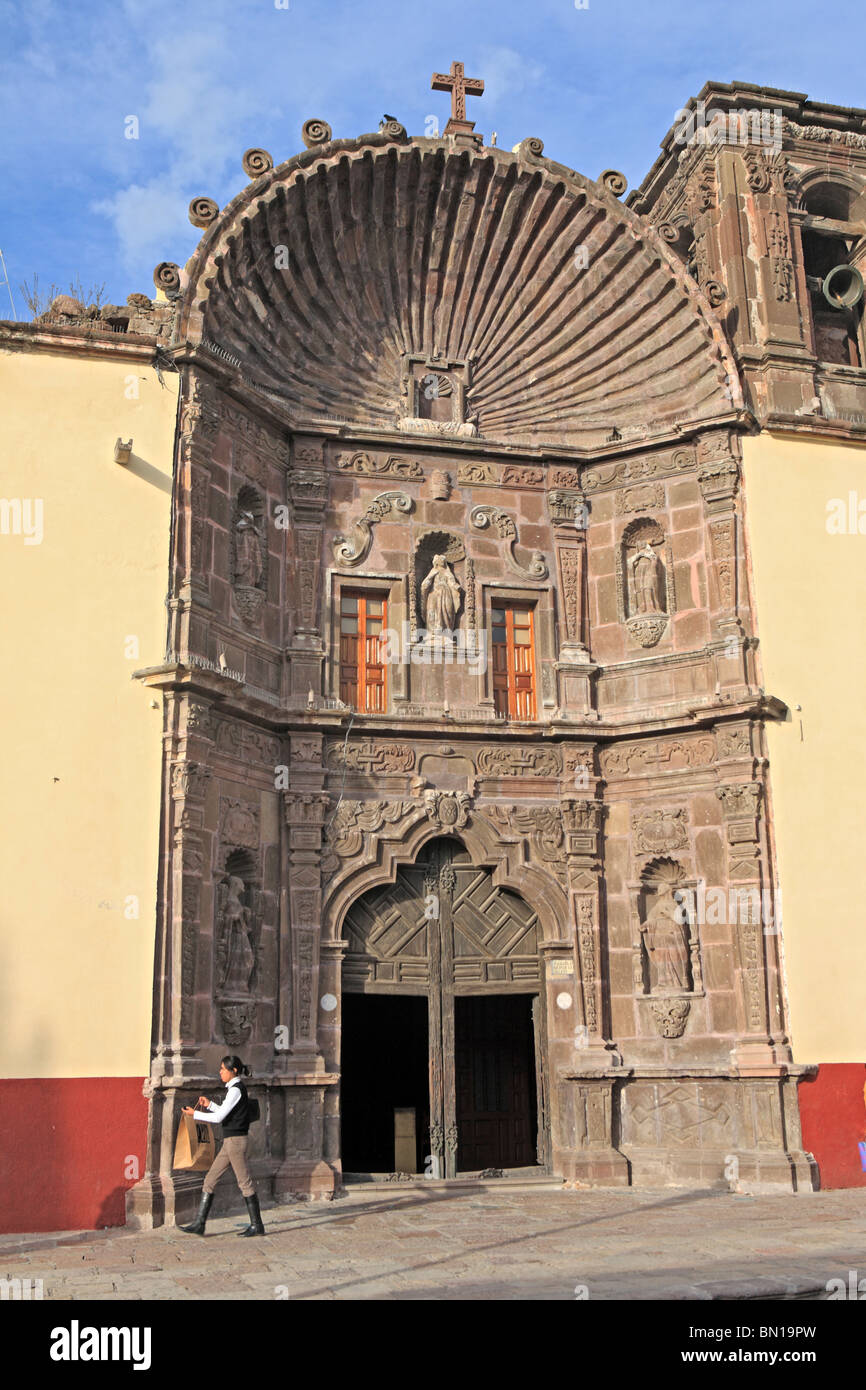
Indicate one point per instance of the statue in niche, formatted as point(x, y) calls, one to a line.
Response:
point(666, 943)
point(645, 580)
point(248, 551)
point(236, 951)
point(440, 594)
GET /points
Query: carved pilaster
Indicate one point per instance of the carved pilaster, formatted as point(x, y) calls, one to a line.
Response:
point(308, 491)
point(740, 809)
point(189, 782)
point(305, 814)
point(581, 821)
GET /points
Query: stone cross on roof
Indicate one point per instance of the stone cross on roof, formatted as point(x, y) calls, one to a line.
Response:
point(458, 85)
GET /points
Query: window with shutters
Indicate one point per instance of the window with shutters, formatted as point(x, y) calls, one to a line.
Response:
point(363, 619)
point(513, 653)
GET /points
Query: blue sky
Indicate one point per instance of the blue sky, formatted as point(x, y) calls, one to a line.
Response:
point(206, 79)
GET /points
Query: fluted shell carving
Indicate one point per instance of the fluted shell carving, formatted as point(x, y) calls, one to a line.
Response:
point(203, 211)
point(381, 237)
point(315, 132)
point(166, 277)
point(615, 182)
point(257, 162)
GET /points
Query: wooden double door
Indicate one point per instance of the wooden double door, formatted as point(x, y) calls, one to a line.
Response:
point(445, 963)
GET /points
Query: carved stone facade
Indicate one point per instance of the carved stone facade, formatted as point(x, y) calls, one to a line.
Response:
point(436, 849)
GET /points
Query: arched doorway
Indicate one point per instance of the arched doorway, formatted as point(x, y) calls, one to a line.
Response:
point(441, 1023)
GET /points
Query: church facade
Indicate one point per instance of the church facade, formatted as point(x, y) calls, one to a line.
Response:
point(467, 834)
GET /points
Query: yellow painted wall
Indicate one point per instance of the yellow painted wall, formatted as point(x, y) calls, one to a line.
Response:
point(810, 590)
point(81, 749)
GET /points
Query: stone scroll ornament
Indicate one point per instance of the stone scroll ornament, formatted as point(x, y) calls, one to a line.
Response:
point(482, 517)
point(353, 549)
point(256, 162)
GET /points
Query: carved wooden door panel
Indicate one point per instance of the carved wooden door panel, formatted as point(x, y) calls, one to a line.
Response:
point(444, 929)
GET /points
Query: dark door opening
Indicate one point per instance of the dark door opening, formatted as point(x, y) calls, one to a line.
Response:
point(494, 1055)
point(384, 1067)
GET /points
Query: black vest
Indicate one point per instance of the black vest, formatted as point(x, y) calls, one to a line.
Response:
point(237, 1121)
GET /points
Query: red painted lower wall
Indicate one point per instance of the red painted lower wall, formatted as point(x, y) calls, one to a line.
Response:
point(69, 1149)
point(833, 1114)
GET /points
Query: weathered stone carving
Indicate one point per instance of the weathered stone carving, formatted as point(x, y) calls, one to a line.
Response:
point(566, 506)
point(542, 825)
point(634, 470)
point(240, 823)
point(734, 741)
point(371, 757)
point(376, 464)
point(513, 475)
point(353, 549)
point(517, 762)
point(447, 810)
point(643, 498)
point(664, 930)
point(315, 132)
point(203, 211)
point(256, 162)
point(484, 516)
point(477, 473)
point(658, 830)
point(237, 1022)
point(664, 754)
point(644, 581)
point(740, 800)
point(236, 957)
point(250, 554)
point(671, 1016)
point(345, 831)
point(851, 138)
point(586, 946)
point(440, 485)
point(440, 594)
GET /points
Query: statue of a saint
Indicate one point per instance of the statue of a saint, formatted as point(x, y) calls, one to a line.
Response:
point(645, 572)
point(440, 594)
point(666, 943)
point(248, 551)
point(237, 940)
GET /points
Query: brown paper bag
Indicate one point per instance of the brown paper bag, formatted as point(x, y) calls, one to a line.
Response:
point(195, 1148)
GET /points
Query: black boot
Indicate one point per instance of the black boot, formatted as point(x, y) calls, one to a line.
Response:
point(255, 1227)
point(197, 1227)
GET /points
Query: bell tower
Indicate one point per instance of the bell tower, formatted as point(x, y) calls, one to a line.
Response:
point(763, 195)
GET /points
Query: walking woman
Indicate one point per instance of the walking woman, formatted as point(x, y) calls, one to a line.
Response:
point(234, 1116)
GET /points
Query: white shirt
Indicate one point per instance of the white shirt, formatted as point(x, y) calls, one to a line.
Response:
point(215, 1113)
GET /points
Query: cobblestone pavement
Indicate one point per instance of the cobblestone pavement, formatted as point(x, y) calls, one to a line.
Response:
point(474, 1243)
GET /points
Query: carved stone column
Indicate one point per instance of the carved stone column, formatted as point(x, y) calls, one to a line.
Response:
point(308, 490)
point(718, 476)
point(755, 1050)
point(568, 514)
point(189, 782)
point(306, 814)
point(589, 1102)
point(198, 429)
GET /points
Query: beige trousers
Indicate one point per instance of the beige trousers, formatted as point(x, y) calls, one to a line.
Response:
point(234, 1152)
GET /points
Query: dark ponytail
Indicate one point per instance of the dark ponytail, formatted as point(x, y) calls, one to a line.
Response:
point(235, 1064)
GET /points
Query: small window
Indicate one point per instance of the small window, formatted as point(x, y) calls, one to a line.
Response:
point(363, 619)
point(513, 653)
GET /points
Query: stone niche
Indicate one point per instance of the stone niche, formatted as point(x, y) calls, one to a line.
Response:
point(645, 581)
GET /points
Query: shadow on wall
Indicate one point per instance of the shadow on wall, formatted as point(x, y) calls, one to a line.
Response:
point(833, 1115)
